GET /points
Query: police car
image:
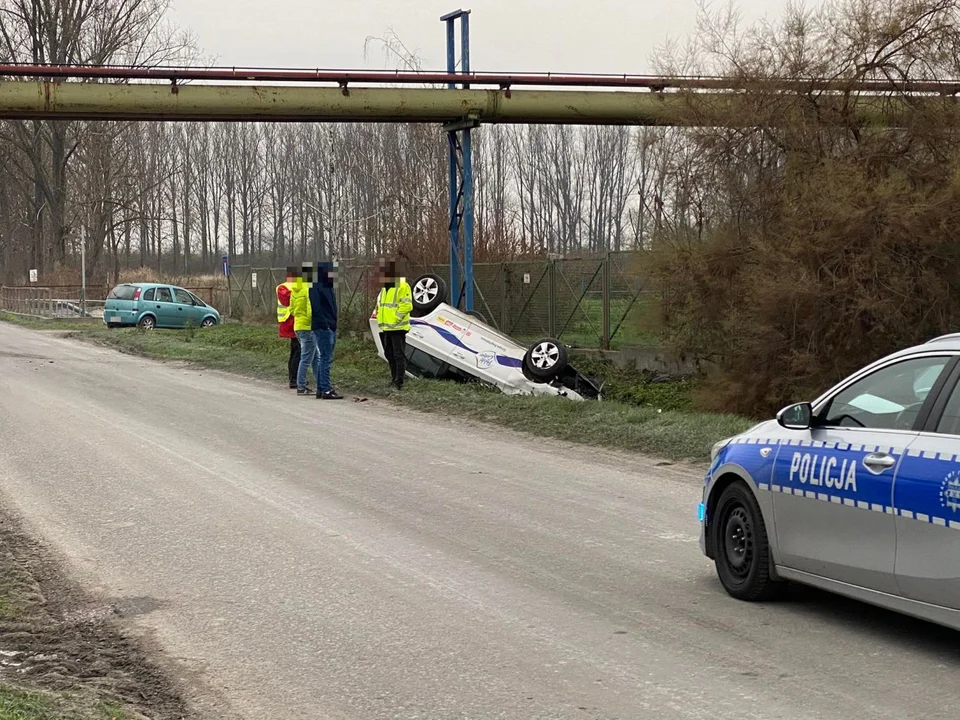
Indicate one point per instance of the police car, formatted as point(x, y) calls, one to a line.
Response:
point(857, 492)
point(447, 343)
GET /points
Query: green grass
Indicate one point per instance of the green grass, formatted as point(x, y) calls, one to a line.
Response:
point(19, 704)
point(637, 414)
point(16, 704)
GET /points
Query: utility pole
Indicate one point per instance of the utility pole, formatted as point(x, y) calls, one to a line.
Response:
point(83, 272)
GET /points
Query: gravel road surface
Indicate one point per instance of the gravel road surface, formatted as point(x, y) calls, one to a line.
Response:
point(317, 560)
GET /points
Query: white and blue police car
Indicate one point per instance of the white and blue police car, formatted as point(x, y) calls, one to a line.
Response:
point(857, 492)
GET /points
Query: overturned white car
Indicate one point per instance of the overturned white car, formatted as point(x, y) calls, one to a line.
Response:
point(447, 343)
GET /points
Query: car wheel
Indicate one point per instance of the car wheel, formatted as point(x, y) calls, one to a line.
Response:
point(478, 316)
point(545, 359)
point(208, 322)
point(742, 546)
point(147, 322)
point(429, 291)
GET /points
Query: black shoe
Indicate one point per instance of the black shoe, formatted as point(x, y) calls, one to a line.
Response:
point(293, 386)
point(329, 395)
point(304, 391)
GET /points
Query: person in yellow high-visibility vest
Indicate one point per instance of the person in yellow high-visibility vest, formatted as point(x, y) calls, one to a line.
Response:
point(285, 323)
point(302, 326)
point(394, 305)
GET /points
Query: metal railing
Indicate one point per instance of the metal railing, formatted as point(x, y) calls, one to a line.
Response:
point(44, 302)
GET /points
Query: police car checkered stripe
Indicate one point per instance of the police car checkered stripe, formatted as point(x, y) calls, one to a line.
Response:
point(849, 502)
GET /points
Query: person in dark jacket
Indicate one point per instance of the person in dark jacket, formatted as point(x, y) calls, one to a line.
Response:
point(323, 303)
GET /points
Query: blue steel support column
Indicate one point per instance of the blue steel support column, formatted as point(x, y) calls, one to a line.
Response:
point(454, 190)
point(461, 174)
point(467, 175)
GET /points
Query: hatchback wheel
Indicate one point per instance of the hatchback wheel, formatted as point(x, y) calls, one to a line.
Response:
point(742, 547)
point(208, 322)
point(428, 291)
point(545, 359)
point(147, 322)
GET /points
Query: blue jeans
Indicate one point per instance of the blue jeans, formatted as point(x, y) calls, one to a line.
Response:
point(325, 341)
point(308, 357)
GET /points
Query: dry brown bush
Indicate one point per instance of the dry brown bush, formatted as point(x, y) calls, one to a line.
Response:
point(824, 240)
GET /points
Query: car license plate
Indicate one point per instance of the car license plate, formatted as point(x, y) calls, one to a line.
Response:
point(115, 319)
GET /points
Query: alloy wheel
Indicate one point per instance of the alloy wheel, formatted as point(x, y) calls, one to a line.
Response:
point(425, 290)
point(545, 355)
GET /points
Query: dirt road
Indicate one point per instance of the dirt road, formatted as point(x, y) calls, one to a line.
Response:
point(351, 560)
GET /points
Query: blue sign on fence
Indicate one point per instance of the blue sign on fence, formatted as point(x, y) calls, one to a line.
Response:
point(226, 265)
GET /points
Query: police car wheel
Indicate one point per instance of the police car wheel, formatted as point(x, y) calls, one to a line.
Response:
point(742, 547)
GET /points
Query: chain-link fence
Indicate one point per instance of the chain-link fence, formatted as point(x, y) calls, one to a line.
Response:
point(589, 303)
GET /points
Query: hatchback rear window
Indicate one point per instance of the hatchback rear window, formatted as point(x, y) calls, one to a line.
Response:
point(122, 292)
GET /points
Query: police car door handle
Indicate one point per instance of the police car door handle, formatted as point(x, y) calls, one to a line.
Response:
point(878, 462)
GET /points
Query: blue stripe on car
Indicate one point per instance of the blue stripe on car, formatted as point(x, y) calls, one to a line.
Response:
point(504, 360)
point(926, 486)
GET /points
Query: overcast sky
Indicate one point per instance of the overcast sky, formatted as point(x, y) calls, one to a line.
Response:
point(591, 36)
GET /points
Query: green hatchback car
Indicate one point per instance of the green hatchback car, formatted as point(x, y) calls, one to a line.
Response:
point(155, 305)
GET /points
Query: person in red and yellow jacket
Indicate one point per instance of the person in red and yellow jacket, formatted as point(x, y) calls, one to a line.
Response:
point(285, 323)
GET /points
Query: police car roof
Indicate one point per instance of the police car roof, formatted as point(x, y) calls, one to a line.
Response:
point(952, 340)
point(949, 342)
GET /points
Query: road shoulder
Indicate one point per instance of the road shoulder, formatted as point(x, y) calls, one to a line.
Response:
point(65, 654)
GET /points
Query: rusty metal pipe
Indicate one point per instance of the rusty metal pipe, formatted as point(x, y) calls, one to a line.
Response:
point(502, 80)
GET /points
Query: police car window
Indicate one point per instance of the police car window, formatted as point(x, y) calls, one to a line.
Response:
point(949, 423)
point(888, 399)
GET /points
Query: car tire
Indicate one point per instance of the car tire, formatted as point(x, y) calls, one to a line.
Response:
point(742, 548)
point(147, 322)
point(208, 323)
point(478, 316)
point(429, 291)
point(545, 359)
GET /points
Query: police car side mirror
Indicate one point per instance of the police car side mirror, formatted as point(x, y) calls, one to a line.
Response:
point(796, 417)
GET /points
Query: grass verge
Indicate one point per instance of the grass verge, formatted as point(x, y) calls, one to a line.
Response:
point(642, 416)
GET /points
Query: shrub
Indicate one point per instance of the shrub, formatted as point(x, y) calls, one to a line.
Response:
point(819, 241)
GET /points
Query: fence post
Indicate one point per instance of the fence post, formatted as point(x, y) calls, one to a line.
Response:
point(552, 298)
point(605, 283)
point(503, 295)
